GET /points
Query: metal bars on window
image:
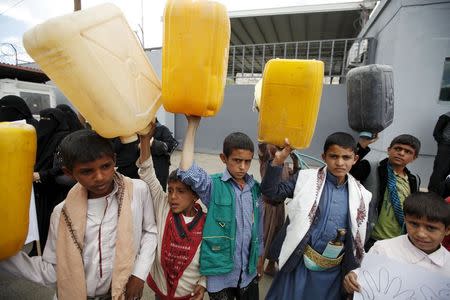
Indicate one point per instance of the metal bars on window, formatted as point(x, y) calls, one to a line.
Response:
point(252, 59)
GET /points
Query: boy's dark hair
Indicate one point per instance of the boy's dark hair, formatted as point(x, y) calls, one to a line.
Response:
point(341, 139)
point(407, 139)
point(84, 146)
point(237, 140)
point(427, 205)
point(173, 177)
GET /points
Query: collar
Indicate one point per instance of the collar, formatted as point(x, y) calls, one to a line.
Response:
point(417, 255)
point(226, 176)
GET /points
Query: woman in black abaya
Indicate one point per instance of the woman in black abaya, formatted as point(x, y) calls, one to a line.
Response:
point(14, 108)
point(52, 128)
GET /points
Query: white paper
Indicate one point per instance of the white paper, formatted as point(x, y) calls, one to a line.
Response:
point(33, 232)
point(381, 279)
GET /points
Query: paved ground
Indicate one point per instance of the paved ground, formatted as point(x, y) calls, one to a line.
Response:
point(12, 288)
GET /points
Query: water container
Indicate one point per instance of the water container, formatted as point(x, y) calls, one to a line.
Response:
point(195, 56)
point(94, 57)
point(290, 101)
point(17, 157)
point(370, 98)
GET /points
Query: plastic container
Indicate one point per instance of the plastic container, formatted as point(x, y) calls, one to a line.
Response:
point(370, 98)
point(195, 56)
point(17, 157)
point(290, 101)
point(94, 57)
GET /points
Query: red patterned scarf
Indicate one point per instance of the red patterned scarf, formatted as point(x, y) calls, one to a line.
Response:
point(179, 245)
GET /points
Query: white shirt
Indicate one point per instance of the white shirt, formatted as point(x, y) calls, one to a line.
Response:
point(191, 275)
point(402, 250)
point(100, 211)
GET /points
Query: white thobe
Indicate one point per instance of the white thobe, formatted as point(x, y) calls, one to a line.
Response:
point(99, 243)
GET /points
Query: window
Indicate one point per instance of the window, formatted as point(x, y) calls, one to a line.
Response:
point(444, 94)
point(36, 101)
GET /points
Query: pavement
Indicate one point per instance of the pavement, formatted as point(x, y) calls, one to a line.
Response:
point(13, 288)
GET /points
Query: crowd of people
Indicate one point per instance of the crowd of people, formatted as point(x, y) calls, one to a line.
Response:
point(188, 233)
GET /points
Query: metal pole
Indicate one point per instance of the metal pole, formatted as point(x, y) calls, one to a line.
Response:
point(142, 23)
point(76, 5)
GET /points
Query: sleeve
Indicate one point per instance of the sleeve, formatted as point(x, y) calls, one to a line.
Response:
point(362, 152)
point(361, 169)
point(198, 180)
point(38, 269)
point(146, 253)
point(272, 186)
point(147, 174)
point(202, 281)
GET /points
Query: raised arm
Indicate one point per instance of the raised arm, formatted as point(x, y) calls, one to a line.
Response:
point(145, 142)
point(147, 172)
point(187, 156)
point(271, 184)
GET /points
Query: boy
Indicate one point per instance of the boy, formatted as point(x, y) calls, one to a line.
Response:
point(231, 251)
point(175, 274)
point(427, 218)
point(394, 182)
point(324, 201)
point(102, 238)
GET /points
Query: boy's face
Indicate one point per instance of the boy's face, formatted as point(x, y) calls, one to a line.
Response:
point(238, 163)
point(339, 161)
point(181, 198)
point(96, 176)
point(401, 154)
point(425, 234)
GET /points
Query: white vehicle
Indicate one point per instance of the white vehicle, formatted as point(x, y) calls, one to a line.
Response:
point(38, 96)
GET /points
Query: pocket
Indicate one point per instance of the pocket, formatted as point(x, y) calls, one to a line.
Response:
point(216, 251)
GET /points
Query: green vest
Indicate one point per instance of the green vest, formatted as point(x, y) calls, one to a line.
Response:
point(219, 232)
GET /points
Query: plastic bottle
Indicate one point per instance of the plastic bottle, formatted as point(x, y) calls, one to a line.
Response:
point(17, 158)
point(195, 56)
point(290, 101)
point(94, 57)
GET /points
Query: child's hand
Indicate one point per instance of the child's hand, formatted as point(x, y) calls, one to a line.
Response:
point(351, 284)
point(364, 142)
point(149, 134)
point(198, 293)
point(281, 155)
point(260, 267)
point(134, 288)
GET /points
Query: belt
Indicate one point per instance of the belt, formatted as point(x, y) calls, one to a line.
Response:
point(317, 262)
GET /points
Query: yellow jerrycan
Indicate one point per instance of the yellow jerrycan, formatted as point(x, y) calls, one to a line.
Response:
point(94, 57)
point(17, 157)
point(290, 101)
point(195, 56)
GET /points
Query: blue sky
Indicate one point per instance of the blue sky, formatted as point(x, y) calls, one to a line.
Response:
point(17, 16)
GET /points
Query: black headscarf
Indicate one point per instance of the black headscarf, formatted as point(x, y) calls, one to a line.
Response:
point(13, 108)
point(72, 118)
point(52, 128)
